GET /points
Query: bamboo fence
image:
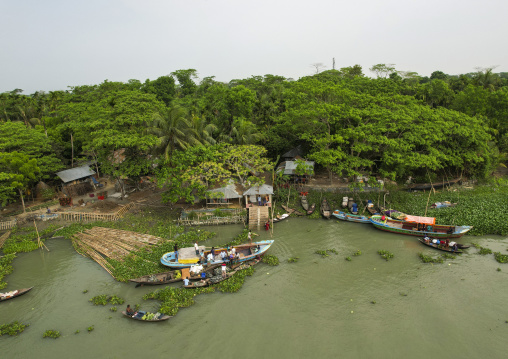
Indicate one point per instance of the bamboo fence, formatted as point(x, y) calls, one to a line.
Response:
point(8, 224)
point(91, 216)
point(204, 219)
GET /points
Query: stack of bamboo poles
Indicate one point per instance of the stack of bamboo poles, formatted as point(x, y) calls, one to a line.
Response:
point(100, 243)
point(4, 237)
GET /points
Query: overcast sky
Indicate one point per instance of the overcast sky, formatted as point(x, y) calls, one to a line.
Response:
point(51, 44)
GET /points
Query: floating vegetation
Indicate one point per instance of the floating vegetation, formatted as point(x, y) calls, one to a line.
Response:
point(85, 291)
point(26, 242)
point(99, 299)
point(116, 300)
point(373, 302)
point(448, 256)
point(402, 294)
point(498, 269)
point(428, 259)
point(501, 258)
point(113, 309)
point(348, 259)
point(233, 284)
point(5, 268)
point(385, 254)
point(103, 299)
point(172, 298)
point(326, 253)
point(271, 260)
point(51, 334)
point(293, 259)
point(90, 328)
point(76, 332)
point(13, 328)
point(357, 253)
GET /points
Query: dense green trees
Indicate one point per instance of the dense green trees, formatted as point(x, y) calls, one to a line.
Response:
point(397, 125)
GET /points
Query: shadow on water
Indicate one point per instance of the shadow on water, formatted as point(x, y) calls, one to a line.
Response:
point(318, 306)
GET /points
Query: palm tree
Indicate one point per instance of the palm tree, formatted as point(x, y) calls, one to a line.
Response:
point(174, 130)
point(203, 131)
point(244, 132)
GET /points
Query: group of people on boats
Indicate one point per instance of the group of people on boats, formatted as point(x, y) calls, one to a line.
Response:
point(226, 255)
point(442, 243)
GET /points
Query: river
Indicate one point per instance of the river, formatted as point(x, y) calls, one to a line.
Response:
point(317, 307)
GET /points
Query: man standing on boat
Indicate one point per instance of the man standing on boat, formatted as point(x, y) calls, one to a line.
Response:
point(249, 236)
point(175, 248)
point(196, 247)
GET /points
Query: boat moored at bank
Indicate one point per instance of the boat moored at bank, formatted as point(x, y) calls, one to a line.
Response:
point(418, 226)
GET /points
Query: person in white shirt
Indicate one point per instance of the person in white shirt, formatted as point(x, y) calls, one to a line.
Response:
point(186, 281)
point(196, 247)
point(209, 257)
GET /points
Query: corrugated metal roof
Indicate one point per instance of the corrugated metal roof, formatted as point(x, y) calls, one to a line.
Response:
point(290, 167)
point(264, 189)
point(75, 173)
point(228, 191)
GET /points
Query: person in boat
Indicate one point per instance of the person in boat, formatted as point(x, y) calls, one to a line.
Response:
point(213, 252)
point(223, 255)
point(175, 248)
point(455, 247)
point(129, 311)
point(447, 243)
point(427, 239)
point(383, 218)
point(223, 267)
point(186, 281)
point(209, 258)
point(48, 211)
point(196, 247)
point(202, 257)
point(450, 230)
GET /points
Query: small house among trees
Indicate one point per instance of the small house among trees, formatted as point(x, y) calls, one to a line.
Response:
point(223, 196)
point(254, 194)
point(76, 181)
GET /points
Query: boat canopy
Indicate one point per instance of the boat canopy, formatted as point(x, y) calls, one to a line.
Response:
point(418, 219)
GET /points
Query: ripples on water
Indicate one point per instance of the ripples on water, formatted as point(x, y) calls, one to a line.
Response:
point(316, 307)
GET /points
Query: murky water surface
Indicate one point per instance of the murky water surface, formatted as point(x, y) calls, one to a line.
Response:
point(317, 307)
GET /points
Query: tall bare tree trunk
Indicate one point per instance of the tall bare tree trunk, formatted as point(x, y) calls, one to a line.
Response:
point(72, 151)
point(22, 200)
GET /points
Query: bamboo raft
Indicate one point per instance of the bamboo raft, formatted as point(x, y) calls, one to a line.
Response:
point(99, 244)
point(4, 237)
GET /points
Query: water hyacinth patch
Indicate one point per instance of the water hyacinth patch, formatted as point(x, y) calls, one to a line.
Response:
point(5, 268)
point(428, 259)
point(271, 260)
point(326, 252)
point(293, 259)
point(51, 334)
point(385, 254)
point(501, 258)
point(13, 328)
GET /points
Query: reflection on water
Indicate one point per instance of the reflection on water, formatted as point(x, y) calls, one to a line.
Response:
point(317, 307)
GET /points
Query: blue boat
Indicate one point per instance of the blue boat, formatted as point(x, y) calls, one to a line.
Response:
point(350, 217)
point(187, 256)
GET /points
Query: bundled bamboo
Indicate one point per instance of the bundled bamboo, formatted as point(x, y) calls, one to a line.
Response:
point(128, 237)
point(83, 249)
point(4, 237)
point(106, 249)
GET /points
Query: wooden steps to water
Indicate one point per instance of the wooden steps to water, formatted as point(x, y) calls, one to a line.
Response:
point(258, 216)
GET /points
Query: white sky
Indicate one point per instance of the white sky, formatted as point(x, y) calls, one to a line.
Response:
point(51, 44)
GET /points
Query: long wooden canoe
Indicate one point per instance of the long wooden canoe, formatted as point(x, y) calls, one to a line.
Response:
point(167, 277)
point(14, 294)
point(350, 217)
point(305, 203)
point(139, 315)
point(411, 228)
point(437, 246)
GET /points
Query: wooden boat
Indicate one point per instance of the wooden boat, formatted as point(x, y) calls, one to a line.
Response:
point(437, 185)
point(187, 258)
point(443, 204)
point(325, 209)
point(280, 217)
point(370, 208)
point(140, 314)
point(168, 277)
point(440, 247)
point(350, 217)
point(411, 224)
point(311, 209)
point(14, 294)
point(291, 210)
point(305, 204)
point(210, 281)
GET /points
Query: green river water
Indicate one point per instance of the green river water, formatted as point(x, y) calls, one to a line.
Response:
point(314, 308)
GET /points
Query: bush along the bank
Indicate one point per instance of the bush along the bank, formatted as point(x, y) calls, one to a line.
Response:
point(13, 328)
point(5, 268)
